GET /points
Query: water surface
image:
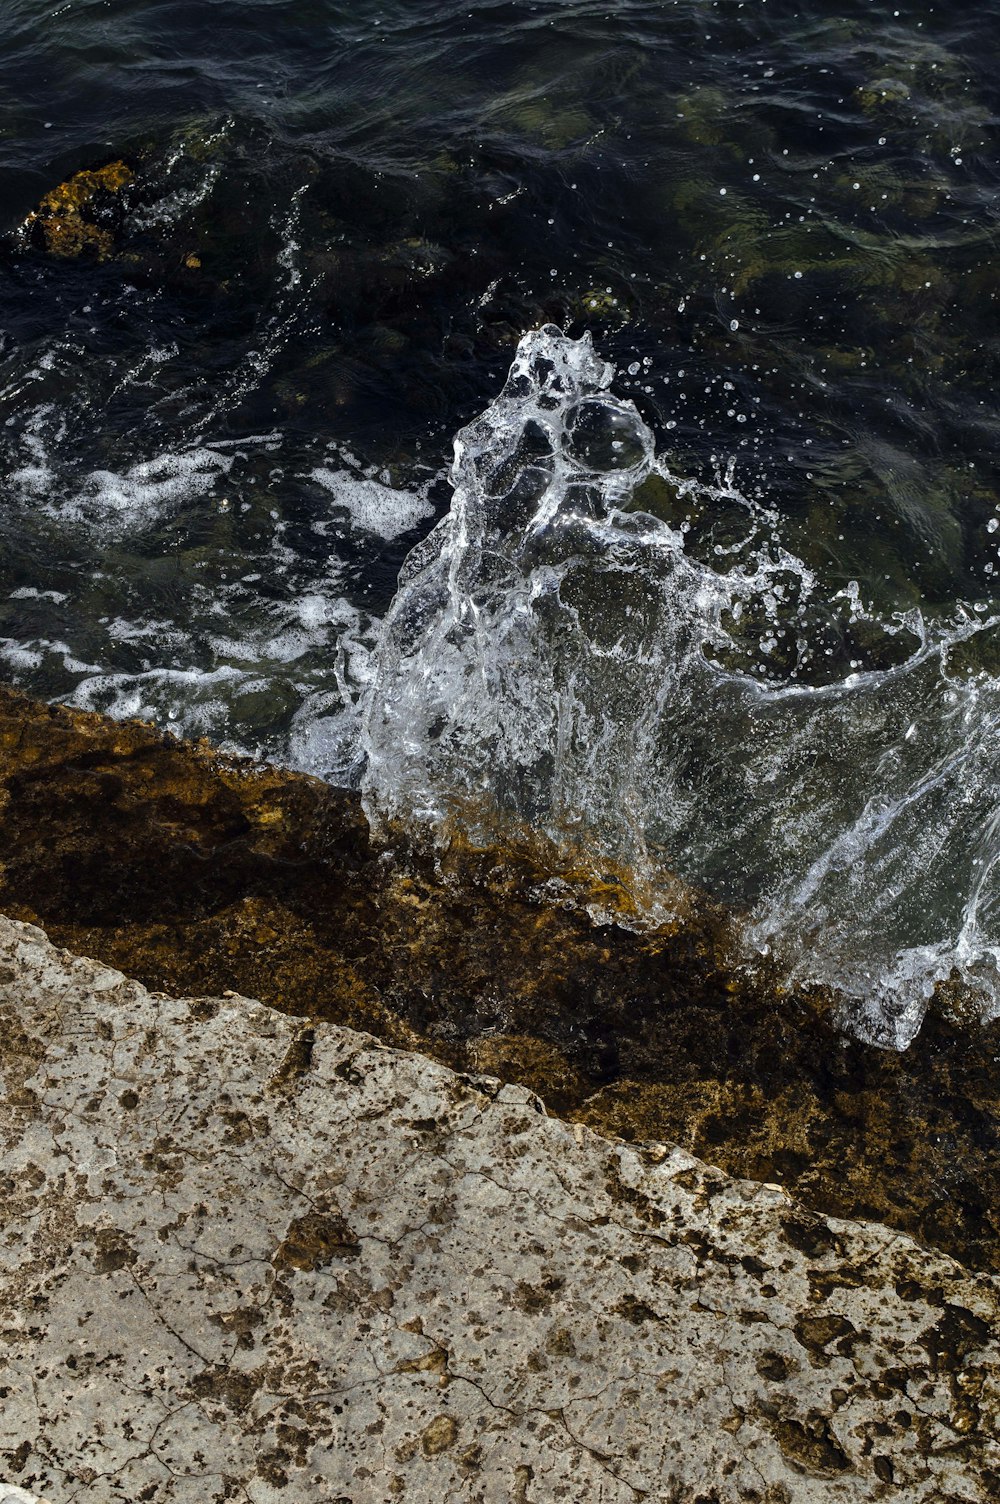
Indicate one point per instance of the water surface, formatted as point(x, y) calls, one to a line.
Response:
point(222, 438)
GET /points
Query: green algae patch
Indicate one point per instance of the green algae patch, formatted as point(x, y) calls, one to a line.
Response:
point(198, 874)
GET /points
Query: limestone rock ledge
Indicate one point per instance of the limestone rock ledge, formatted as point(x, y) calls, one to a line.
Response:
point(245, 1257)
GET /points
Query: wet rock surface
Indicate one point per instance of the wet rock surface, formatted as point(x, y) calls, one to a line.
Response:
point(198, 875)
point(249, 1258)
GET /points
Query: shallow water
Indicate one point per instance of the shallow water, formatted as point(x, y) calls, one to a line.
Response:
point(765, 654)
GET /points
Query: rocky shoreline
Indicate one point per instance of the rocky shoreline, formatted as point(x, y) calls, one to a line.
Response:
point(197, 874)
point(246, 1257)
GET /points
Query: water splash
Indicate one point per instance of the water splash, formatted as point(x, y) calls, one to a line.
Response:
point(559, 657)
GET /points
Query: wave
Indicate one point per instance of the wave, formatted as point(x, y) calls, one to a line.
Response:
point(664, 698)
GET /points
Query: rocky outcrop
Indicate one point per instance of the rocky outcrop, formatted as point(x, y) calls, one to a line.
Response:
point(198, 874)
point(245, 1257)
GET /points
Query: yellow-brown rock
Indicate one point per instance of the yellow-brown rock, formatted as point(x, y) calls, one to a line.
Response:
point(67, 220)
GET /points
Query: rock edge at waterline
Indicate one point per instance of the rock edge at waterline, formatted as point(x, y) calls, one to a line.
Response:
point(198, 874)
point(248, 1257)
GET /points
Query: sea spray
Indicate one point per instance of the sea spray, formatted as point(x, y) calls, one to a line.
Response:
point(558, 657)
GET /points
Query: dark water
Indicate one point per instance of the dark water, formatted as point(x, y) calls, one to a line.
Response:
point(226, 422)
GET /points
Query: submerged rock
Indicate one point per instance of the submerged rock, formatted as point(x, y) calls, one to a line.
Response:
point(81, 216)
point(881, 94)
point(250, 1258)
point(197, 874)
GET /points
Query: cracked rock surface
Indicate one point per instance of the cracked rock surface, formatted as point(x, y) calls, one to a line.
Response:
point(247, 1257)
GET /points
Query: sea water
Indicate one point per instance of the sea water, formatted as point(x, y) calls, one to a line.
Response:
point(552, 414)
point(559, 654)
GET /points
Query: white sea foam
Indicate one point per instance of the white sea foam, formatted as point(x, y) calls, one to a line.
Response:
point(373, 507)
point(19, 655)
point(32, 655)
point(113, 501)
point(42, 431)
point(192, 701)
point(147, 491)
point(29, 593)
point(325, 736)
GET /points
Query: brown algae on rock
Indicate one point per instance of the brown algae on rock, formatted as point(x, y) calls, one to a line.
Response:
point(73, 219)
point(199, 874)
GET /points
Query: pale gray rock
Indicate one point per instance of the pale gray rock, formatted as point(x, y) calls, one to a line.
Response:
point(244, 1259)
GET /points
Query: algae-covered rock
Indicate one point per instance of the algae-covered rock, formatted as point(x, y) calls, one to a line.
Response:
point(81, 216)
point(197, 874)
point(249, 1258)
point(603, 305)
point(882, 94)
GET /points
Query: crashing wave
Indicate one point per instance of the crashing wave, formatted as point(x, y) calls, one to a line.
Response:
point(558, 656)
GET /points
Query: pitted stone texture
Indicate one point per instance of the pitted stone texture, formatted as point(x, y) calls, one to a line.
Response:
point(242, 1258)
